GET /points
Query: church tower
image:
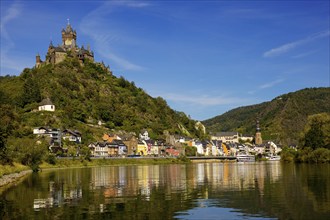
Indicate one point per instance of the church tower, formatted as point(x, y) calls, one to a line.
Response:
point(69, 36)
point(258, 139)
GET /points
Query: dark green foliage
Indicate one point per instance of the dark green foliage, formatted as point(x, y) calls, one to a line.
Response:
point(306, 155)
point(27, 151)
point(4, 158)
point(85, 153)
point(8, 124)
point(288, 154)
point(314, 137)
point(51, 159)
point(184, 159)
point(317, 132)
point(190, 151)
point(281, 119)
point(83, 95)
point(31, 91)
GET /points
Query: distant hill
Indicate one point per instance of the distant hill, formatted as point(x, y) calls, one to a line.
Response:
point(281, 120)
point(84, 95)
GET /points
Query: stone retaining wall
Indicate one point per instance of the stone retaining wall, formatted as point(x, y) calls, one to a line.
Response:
point(10, 178)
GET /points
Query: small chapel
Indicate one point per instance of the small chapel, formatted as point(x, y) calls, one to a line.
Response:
point(69, 47)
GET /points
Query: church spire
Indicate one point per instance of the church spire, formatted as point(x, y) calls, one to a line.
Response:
point(258, 126)
point(258, 138)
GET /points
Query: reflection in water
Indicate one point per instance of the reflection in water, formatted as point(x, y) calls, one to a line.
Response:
point(128, 181)
point(59, 194)
point(202, 190)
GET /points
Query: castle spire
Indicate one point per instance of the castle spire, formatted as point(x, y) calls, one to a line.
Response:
point(68, 21)
point(258, 126)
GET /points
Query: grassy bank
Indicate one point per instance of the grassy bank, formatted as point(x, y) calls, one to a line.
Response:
point(76, 162)
point(9, 169)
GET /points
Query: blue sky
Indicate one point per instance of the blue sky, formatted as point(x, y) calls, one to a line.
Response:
point(203, 57)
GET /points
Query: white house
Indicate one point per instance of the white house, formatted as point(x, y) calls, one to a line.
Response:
point(99, 149)
point(144, 135)
point(73, 136)
point(199, 146)
point(41, 131)
point(46, 105)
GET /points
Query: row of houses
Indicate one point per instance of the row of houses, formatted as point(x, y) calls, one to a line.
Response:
point(114, 145)
point(219, 148)
point(122, 145)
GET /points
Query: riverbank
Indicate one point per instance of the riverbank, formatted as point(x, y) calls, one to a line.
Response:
point(76, 162)
point(10, 174)
point(13, 177)
point(10, 169)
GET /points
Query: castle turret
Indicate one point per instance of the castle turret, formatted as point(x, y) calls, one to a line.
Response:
point(38, 60)
point(69, 36)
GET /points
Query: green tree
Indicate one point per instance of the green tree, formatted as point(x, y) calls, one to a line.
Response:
point(31, 91)
point(85, 153)
point(27, 151)
point(190, 151)
point(4, 158)
point(317, 132)
point(8, 124)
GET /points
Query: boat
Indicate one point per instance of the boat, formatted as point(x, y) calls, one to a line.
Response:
point(245, 158)
point(275, 158)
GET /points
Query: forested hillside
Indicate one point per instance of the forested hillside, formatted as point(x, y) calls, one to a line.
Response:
point(83, 96)
point(282, 119)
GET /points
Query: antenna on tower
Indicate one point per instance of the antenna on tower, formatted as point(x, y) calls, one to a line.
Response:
point(51, 42)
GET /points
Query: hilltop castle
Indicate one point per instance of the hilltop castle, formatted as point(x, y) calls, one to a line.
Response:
point(68, 48)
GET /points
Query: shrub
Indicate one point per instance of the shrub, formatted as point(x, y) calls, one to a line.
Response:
point(51, 159)
point(288, 154)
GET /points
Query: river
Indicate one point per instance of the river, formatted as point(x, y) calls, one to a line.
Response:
point(260, 190)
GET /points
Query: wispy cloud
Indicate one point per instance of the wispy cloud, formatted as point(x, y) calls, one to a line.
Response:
point(290, 46)
point(270, 84)
point(301, 55)
point(266, 86)
point(104, 51)
point(204, 100)
point(11, 13)
point(7, 44)
point(132, 4)
point(93, 25)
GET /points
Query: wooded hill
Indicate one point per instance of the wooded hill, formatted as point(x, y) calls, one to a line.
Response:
point(281, 120)
point(83, 96)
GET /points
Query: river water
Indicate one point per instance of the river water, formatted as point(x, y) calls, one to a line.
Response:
point(261, 190)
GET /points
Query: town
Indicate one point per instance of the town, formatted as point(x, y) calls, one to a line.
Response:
point(123, 144)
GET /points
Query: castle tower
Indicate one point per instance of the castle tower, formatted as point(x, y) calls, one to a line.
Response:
point(38, 60)
point(69, 36)
point(258, 138)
